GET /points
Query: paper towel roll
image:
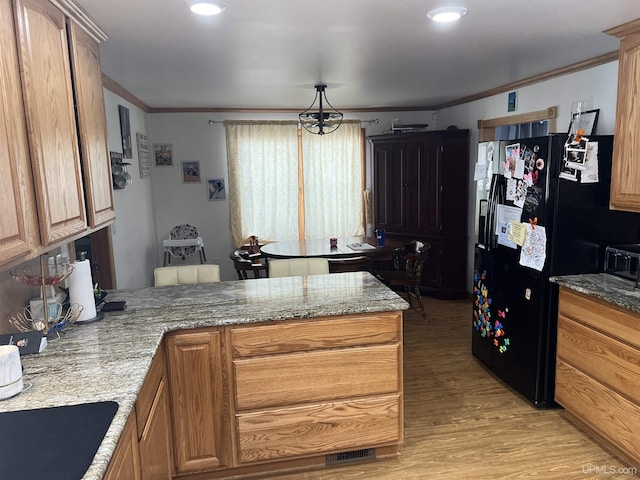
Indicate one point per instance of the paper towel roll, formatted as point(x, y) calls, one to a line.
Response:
point(10, 371)
point(81, 289)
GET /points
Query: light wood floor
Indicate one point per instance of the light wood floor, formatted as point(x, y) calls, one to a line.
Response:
point(462, 423)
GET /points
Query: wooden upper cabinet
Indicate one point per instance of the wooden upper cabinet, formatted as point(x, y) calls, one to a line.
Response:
point(51, 121)
point(92, 125)
point(625, 175)
point(18, 222)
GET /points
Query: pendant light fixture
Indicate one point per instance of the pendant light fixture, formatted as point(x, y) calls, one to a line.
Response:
point(321, 119)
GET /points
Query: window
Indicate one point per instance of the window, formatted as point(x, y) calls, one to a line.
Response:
point(286, 184)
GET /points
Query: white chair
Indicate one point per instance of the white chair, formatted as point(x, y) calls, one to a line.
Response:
point(292, 267)
point(186, 275)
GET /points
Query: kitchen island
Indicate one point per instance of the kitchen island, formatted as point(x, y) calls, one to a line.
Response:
point(598, 359)
point(109, 360)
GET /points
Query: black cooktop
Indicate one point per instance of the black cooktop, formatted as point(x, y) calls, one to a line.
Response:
point(56, 443)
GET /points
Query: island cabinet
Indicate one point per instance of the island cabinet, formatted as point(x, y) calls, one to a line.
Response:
point(69, 157)
point(18, 224)
point(144, 450)
point(153, 421)
point(316, 389)
point(625, 174)
point(197, 400)
point(420, 192)
point(598, 370)
point(125, 461)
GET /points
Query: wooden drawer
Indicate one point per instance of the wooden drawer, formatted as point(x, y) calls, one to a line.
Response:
point(607, 413)
point(599, 355)
point(606, 317)
point(149, 388)
point(313, 429)
point(296, 336)
point(277, 380)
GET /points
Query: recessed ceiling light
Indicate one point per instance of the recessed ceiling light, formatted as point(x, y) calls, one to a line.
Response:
point(208, 8)
point(446, 14)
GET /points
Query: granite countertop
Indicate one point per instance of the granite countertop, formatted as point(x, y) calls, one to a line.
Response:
point(603, 286)
point(109, 359)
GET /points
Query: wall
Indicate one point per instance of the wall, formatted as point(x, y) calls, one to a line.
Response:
point(193, 138)
point(598, 84)
point(134, 238)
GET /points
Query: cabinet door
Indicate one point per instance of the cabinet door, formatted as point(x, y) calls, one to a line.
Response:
point(155, 443)
point(388, 187)
point(625, 174)
point(18, 228)
point(92, 126)
point(51, 122)
point(423, 204)
point(125, 462)
point(195, 376)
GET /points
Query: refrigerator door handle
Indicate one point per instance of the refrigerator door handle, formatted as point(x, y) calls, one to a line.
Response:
point(491, 213)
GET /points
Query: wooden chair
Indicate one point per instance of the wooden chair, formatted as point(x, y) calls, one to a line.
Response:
point(243, 264)
point(408, 263)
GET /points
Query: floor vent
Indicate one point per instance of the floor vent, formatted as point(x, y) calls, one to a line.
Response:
point(350, 457)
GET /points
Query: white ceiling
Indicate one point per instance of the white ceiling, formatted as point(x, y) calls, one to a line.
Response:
point(370, 53)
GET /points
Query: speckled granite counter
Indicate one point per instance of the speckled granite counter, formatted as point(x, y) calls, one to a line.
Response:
point(109, 359)
point(603, 286)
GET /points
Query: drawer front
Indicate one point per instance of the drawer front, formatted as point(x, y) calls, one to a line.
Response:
point(277, 380)
point(617, 322)
point(313, 429)
point(598, 355)
point(296, 336)
point(609, 414)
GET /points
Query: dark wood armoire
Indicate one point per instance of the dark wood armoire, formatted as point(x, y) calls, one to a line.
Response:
point(421, 191)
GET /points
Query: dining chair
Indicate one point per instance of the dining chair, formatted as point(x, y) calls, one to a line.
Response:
point(292, 267)
point(186, 275)
point(408, 264)
point(243, 263)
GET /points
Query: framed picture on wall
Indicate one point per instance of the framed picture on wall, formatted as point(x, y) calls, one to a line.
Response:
point(163, 153)
point(191, 172)
point(215, 189)
point(125, 132)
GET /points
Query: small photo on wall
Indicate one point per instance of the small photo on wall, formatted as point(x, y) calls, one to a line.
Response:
point(215, 188)
point(163, 153)
point(191, 172)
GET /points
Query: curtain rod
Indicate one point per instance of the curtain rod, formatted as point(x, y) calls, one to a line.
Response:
point(375, 120)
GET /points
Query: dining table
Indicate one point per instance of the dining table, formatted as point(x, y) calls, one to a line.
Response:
point(345, 247)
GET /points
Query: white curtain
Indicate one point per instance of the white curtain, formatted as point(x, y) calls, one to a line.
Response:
point(333, 188)
point(263, 180)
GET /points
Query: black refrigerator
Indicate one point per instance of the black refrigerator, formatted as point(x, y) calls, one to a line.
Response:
point(515, 305)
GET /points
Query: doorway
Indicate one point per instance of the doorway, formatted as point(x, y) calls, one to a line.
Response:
point(98, 249)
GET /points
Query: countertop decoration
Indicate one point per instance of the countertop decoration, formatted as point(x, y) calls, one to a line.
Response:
point(108, 360)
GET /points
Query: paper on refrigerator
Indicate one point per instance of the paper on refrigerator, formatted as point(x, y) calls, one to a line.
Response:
point(505, 215)
point(534, 248)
